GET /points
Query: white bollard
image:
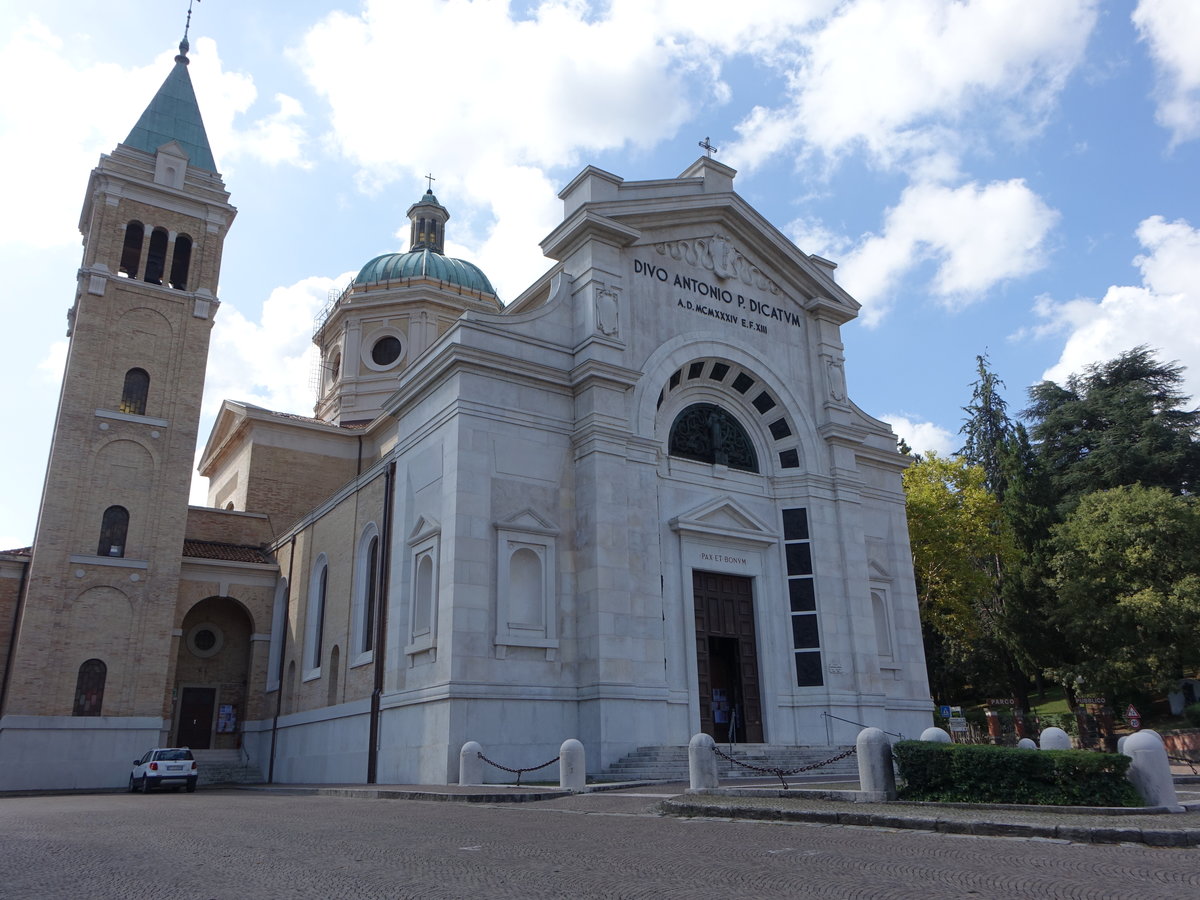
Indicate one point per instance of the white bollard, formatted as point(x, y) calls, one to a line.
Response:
point(1055, 739)
point(1026, 744)
point(702, 763)
point(470, 766)
point(1150, 770)
point(875, 772)
point(572, 766)
point(937, 735)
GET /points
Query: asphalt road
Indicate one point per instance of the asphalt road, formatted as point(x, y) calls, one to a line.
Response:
point(241, 844)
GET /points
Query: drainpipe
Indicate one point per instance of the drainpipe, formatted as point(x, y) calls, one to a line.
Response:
point(381, 605)
point(287, 605)
point(18, 608)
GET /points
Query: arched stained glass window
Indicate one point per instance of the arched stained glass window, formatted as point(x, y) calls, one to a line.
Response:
point(707, 433)
point(135, 391)
point(113, 529)
point(89, 688)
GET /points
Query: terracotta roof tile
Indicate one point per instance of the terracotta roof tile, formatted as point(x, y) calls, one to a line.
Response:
point(20, 551)
point(227, 552)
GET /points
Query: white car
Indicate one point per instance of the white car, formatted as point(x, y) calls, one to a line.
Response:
point(172, 767)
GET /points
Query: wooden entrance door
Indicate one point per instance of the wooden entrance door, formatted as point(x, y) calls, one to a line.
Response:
point(727, 657)
point(195, 717)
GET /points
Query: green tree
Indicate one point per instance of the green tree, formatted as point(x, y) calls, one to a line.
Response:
point(1127, 589)
point(958, 540)
point(994, 443)
point(1120, 422)
point(987, 428)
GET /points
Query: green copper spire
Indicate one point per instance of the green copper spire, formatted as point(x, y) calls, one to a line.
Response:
point(174, 115)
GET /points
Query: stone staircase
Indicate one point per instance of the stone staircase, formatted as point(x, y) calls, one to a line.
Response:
point(671, 763)
point(226, 767)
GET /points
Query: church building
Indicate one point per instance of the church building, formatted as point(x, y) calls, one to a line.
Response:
point(631, 504)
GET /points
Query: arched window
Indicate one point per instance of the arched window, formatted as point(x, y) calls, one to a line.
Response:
point(131, 251)
point(526, 593)
point(156, 257)
point(707, 433)
point(315, 627)
point(135, 392)
point(370, 597)
point(180, 262)
point(113, 530)
point(423, 596)
point(883, 636)
point(89, 688)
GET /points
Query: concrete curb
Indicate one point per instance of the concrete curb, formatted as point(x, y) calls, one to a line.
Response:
point(1155, 837)
point(470, 794)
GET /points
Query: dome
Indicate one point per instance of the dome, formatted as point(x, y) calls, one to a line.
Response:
point(424, 264)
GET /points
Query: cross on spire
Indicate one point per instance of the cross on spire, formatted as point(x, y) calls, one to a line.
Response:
point(188, 24)
point(183, 45)
point(430, 179)
point(709, 149)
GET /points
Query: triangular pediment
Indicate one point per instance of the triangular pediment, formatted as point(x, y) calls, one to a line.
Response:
point(173, 148)
point(725, 517)
point(528, 520)
point(424, 528)
point(229, 418)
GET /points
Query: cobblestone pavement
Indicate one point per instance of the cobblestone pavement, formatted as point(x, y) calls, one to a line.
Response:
point(238, 844)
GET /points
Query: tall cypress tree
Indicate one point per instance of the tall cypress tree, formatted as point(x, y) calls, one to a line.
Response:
point(987, 428)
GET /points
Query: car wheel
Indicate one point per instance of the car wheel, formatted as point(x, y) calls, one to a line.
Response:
point(132, 786)
point(145, 785)
point(191, 786)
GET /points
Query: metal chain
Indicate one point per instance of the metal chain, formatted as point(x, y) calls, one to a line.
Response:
point(1184, 760)
point(782, 773)
point(517, 772)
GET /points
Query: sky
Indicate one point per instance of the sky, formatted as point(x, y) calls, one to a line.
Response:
point(1016, 178)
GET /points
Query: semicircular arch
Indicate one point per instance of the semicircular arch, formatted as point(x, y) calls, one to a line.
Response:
point(688, 370)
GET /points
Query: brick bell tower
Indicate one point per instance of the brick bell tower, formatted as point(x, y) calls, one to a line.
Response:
point(89, 680)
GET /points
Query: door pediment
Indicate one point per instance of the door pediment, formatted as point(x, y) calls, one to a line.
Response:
point(724, 517)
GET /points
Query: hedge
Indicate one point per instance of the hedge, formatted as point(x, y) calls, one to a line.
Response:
point(980, 773)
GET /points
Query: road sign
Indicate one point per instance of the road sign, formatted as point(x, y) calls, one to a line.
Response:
point(1091, 701)
point(1131, 712)
point(1002, 701)
point(1135, 722)
point(944, 712)
point(958, 723)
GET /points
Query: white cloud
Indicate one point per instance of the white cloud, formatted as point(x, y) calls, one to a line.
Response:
point(1171, 28)
point(104, 102)
point(52, 366)
point(977, 236)
point(269, 362)
point(1163, 312)
point(923, 437)
point(899, 79)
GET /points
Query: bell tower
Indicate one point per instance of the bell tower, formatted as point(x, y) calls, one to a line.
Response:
point(94, 648)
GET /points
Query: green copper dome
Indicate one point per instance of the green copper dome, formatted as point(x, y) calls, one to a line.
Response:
point(424, 264)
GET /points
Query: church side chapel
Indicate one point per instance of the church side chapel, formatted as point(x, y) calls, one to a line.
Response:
point(631, 504)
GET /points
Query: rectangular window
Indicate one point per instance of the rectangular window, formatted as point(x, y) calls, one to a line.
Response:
point(802, 597)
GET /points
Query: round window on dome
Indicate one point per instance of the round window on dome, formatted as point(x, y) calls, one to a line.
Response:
point(386, 351)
